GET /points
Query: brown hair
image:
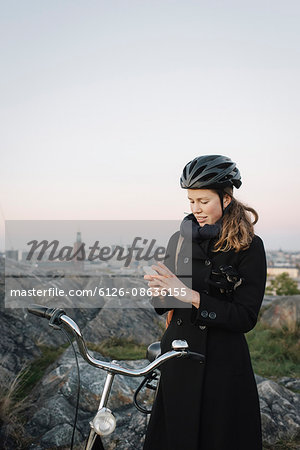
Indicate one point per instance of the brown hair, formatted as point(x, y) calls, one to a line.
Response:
point(237, 226)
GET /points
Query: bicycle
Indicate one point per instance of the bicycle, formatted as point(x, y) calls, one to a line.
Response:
point(104, 422)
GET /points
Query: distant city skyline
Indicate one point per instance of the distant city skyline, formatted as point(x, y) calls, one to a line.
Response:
point(103, 103)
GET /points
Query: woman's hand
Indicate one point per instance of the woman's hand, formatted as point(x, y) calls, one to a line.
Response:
point(166, 282)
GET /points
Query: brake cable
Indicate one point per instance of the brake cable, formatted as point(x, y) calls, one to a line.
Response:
point(78, 388)
point(147, 379)
point(55, 318)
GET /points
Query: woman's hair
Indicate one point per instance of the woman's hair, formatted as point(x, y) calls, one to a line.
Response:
point(237, 226)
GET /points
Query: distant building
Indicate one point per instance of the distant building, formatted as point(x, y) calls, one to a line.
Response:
point(78, 260)
point(12, 254)
point(274, 271)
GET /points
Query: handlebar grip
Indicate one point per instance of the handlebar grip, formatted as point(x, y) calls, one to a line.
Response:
point(197, 356)
point(41, 311)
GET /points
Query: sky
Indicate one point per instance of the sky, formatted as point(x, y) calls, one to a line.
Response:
point(104, 102)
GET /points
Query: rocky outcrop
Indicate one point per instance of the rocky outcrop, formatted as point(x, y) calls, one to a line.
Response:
point(52, 417)
point(284, 311)
point(129, 317)
point(280, 412)
point(291, 383)
point(21, 333)
point(17, 347)
point(139, 324)
point(50, 421)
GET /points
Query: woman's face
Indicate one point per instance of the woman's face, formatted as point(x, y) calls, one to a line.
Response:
point(206, 205)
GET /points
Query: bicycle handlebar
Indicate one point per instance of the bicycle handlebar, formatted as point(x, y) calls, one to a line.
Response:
point(58, 318)
point(41, 311)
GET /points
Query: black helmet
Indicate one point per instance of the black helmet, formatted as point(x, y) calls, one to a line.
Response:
point(210, 172)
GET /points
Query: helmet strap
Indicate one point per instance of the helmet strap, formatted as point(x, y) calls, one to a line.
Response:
point(221, 193)
point(221, 196)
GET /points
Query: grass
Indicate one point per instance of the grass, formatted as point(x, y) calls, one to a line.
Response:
point(14, 396)
point(30, 376)
point(11, 413)
point(120, 348)
point(274, 352)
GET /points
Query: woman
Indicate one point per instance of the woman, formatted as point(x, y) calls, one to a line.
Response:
point(215, 405)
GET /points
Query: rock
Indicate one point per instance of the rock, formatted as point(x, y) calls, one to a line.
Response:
point(284, 311)
point(138, 323)
point(59, 436)
point(280, 412)
point(22, 333)
point(57, 411)
point(16, 346)
point(55, 401)
point(130, 433)
point(50, 421)
point(40, 331)
point(291, 383)
point(269, 299)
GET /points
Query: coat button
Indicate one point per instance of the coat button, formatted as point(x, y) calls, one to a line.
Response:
point(205, 292)
point(186, 260)
point(202, 327)
point(207, 262)
point(204, 313)
point(179, 321)
point(212, 315)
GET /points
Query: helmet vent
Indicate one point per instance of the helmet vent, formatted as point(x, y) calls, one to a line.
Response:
point(224, 165)
point(207, 177)
point(193, 164)
point(198, 172)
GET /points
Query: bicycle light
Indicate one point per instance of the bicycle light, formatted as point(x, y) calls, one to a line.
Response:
point(104, 422)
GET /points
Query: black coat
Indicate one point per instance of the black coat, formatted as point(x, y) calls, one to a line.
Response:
point(215, 405)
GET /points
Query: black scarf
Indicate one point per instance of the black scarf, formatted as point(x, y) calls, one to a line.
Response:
point(191, 229)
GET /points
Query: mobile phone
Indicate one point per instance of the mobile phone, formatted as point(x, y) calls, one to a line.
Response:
point(149, 271)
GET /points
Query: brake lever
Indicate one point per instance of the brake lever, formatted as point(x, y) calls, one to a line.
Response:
point(194, 355)
point(56, 318)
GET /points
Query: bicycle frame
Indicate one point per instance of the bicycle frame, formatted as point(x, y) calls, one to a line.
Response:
point(58, 319)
